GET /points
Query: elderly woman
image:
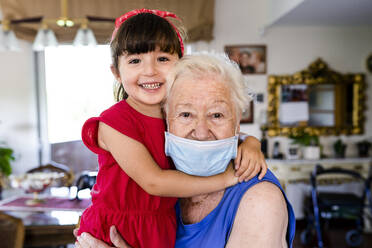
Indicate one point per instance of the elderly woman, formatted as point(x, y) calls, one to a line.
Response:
point(204, 105)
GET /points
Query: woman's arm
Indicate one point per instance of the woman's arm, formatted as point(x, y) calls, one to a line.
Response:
point(136, 161)
point(261, 219)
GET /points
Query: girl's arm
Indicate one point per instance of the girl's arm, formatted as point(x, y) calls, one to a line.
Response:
point(250, 160)
point(136, 161)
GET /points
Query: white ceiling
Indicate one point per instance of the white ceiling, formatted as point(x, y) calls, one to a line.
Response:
point(329, 12)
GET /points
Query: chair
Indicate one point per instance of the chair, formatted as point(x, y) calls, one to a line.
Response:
point(12, 231)
point(86, 180)
point(68, 178)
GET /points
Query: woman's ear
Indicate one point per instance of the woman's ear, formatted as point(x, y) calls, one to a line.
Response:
point(116, 73)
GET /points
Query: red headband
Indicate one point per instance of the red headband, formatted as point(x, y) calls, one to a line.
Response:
point(160, 13)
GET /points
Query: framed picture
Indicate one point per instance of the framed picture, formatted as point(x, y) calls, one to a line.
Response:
point(250, 58)
point(247, 116)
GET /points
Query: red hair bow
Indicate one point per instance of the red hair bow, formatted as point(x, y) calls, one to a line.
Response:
point(120, 20)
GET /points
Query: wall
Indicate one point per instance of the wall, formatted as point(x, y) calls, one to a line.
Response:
point(18, 106)
point(276, 9)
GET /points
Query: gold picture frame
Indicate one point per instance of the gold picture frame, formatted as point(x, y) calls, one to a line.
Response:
point(317, 73)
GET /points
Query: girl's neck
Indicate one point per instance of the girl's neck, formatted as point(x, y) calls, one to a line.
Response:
point(149, 110)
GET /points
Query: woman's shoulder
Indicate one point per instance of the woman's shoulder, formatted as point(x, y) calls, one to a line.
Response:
point(264, 192)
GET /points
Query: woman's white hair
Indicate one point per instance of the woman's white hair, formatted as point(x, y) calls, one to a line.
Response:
point(215, 65)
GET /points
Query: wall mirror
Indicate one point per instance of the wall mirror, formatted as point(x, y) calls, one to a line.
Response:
point(317, 100)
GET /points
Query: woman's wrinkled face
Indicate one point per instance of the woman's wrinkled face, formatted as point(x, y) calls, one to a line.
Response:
point(201, 108)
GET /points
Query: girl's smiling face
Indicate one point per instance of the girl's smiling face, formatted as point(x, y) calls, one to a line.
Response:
point(143, 76)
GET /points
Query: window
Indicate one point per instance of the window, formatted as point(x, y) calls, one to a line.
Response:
point(79, 85)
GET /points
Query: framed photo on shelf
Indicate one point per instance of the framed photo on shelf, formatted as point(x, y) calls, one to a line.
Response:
point(250, 58)
point(248, 115)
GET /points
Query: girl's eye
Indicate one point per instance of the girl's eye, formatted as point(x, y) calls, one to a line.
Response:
point(163, 59)
point(134, 61)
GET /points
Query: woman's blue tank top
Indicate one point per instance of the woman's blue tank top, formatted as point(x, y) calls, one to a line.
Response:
point(214, 230)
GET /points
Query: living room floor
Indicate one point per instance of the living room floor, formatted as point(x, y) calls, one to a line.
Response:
point(334, 237)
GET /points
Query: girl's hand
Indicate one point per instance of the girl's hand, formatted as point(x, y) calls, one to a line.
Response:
point(250, 160)
point(85, 240)
point(229, 175)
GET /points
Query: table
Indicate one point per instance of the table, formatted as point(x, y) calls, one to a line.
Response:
point(51, 226)
point(47, 229)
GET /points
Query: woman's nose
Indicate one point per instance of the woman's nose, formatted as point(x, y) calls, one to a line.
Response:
point(201, 131)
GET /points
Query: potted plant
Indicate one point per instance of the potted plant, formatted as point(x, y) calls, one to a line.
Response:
point(363, 148)
point(310, 145)
point(340, 148)
point(6, 156)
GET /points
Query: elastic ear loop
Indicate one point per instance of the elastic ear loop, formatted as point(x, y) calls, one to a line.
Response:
point(120, 20)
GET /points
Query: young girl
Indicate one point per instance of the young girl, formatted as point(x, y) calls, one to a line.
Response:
point(135, 186)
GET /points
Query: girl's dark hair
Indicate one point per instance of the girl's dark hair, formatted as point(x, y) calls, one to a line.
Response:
point(142, 33)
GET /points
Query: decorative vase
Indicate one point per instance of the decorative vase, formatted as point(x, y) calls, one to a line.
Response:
point(293, 152)
point(311, 152)
point(340, 152)
point(363, 149)
point(339, 147)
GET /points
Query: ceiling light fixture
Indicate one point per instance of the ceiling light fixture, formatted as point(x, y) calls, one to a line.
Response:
point(45, 36)
point(8, 40)
point(84, 36)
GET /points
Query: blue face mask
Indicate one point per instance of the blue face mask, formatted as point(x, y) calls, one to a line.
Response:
point(200, 158)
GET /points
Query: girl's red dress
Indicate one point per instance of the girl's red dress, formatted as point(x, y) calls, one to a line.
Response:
point(143, 220)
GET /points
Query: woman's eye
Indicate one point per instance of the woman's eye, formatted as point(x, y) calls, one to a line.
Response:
point(163, 59)
point(217, 115)
point(185, 114)
point(134, 61)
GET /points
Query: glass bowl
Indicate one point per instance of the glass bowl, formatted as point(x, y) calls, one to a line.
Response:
point(35, 183)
